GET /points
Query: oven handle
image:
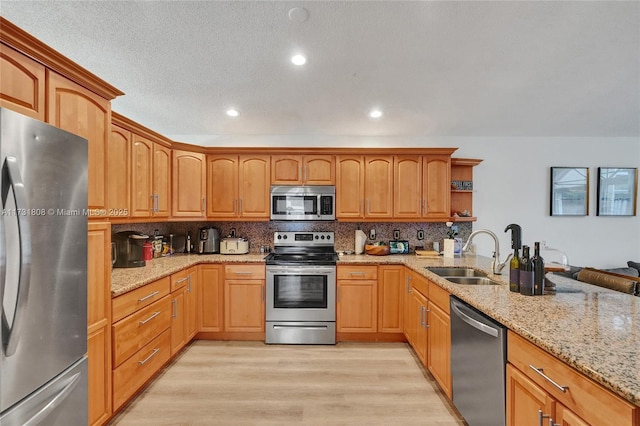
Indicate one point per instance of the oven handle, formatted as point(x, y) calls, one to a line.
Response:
point(302, 270)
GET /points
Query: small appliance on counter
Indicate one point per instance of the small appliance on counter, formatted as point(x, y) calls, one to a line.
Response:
point(209, 240)
point(234, 246)
point(129, 249)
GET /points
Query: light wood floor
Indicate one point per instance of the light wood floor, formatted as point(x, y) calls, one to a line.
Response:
point(250, 383)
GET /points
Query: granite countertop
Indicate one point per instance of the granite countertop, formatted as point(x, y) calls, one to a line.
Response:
point(593, 329)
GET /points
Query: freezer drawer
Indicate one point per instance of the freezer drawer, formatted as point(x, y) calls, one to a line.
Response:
point(61, 402)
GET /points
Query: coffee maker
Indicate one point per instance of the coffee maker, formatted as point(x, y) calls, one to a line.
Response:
point(209, 240)
point(129, 249)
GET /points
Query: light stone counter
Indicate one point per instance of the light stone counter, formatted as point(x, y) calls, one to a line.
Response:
point(595, 330)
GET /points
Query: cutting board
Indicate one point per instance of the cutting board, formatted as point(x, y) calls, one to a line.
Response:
point(427, 253)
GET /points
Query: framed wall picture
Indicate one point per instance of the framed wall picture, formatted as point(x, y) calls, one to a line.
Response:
point(617, 191)
point(569, 191)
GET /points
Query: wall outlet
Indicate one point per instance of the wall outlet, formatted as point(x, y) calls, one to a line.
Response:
point(396, 234)
point(420, 234)
point(372, 234)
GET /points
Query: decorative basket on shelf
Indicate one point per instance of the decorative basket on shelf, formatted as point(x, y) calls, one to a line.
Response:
point(376, 250)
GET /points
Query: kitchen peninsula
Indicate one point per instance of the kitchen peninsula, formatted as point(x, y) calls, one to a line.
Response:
point(591, 329)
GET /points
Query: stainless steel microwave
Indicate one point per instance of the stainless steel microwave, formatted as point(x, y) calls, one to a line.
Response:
point(303, 203)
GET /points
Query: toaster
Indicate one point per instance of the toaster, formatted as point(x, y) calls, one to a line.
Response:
point(234, 246)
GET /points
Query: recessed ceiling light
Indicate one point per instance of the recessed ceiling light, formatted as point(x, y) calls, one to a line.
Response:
point(376, 113)
point(231, 112)
point(298, 59)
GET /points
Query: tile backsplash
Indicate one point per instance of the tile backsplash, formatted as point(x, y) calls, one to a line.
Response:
point(261, 233)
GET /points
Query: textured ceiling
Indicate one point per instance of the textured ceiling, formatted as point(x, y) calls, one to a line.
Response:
point(436, 69)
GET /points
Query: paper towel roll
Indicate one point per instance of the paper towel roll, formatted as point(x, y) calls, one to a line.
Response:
point(360, 240)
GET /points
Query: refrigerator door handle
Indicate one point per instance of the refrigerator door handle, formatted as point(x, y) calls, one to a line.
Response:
point(11, 177)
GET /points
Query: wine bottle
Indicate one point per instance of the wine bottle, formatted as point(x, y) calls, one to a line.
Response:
point(537, 264)
point(514, 272)
point(526, 273)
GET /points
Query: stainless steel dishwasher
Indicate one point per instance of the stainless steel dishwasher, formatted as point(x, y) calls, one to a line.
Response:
point(478, 359)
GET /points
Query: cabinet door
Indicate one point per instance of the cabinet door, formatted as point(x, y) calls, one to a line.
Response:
point(378, 186)
point(349, 187)
point(254, 187)
point(161, 180)
point(178, 320)
point(99, 321)
point(407, 186)
point(244, 305)
point(439, 347)
point(119, 172)
point(189, 184)
point(566, 417)
point(80, 111)
point(391, 288)
point(191, 303)
point(420, 317)
point(525, 399)
point(210, 298)
point(222, 186)
point(141, 176)
point(319, 170)
point(436, 186)
point(356, 306)
point(22, 85)
point(286, 170)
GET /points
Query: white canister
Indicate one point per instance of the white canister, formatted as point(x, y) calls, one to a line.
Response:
point(449, 247)
point(360, 240)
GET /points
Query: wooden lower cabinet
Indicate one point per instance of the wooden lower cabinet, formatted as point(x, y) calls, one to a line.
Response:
point(439, 338)
point(244, 303)
point(183, 308)
point(99, 373)
point(390, 298)
point(583, 401)
point(211, 298)
point(178, 320)
point(356, 299)
point(131, 375)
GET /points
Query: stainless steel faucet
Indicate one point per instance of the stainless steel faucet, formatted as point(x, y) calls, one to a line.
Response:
point(496, 265)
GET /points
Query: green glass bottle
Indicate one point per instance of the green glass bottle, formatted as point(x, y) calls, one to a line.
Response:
point(514, 272)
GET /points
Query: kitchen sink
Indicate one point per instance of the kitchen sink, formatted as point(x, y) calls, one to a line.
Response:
point(456, 272)
point(472, 280)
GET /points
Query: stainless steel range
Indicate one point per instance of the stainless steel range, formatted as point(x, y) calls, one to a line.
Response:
point(301, 289)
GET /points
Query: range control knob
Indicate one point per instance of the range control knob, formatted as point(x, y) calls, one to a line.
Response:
point(279, 237)
point(316, 237)
point(328, 237)
point(285, 236)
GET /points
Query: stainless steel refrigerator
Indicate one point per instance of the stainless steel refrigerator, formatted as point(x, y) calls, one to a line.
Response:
point(43, 274)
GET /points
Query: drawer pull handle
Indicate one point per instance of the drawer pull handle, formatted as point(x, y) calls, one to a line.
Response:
point(243, 273)
point(155, 314)
point(182, 280)
point(563, 389)
point(154, 353)
point(356, 273)
point(142, 299)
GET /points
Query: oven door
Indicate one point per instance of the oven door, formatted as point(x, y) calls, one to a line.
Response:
point(301, 293)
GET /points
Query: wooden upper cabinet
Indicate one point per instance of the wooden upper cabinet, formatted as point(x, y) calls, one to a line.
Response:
point(302, 170)
point(161, 181)
point(189, 184)
point(222, 186)
point(436, 183)
point(22, 83)
point(119, 172)
point(254, 193)
point(77, 110)
point(141, 176)
point(349, 186)
point(378, 186)
point(407, 186)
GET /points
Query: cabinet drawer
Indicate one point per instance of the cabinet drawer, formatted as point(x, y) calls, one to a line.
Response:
point(179, 279)
point(439, 297)
point(244, 272)
point(134, 300)
point(354, 272)
point(138, 329)
point(134, 372)
point(419, 283)
point(587, 399)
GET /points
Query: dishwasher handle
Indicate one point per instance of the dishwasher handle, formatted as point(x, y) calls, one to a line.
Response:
point(472, 322)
